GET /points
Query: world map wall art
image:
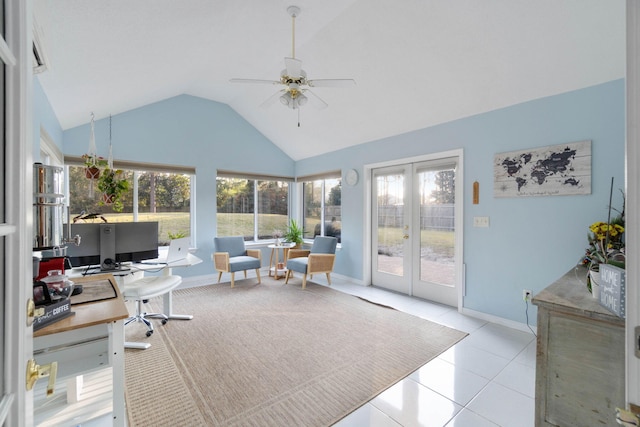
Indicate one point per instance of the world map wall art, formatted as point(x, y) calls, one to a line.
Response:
point(556, 170)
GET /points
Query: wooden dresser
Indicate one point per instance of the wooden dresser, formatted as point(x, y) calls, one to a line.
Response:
point(580, 377)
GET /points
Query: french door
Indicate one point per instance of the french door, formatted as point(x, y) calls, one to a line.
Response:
point(415, 247)
point(15, 210)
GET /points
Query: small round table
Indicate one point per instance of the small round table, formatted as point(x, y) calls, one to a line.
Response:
point(274, 271)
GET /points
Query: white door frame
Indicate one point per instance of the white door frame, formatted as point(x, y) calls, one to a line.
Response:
point(459, 223)
point(18, 204)
point(632, 225)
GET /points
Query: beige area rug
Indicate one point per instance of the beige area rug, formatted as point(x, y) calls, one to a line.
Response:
point(272, 355)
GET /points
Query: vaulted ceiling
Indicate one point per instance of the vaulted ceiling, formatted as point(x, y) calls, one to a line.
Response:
point(417, 63)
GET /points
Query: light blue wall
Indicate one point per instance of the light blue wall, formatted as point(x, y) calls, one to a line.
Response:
point(531, 241)
point(45, 118)
point(187, 131)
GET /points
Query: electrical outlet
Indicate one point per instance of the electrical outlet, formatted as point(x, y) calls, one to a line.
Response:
point(526, 295)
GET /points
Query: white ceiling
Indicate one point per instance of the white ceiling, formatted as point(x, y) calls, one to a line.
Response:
point(416, 63)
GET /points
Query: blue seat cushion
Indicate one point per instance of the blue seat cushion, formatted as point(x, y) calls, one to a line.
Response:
point(240, 263)
point(298, 264)
point(234, 245)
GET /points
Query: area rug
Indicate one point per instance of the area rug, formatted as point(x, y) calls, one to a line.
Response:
point(272, 355)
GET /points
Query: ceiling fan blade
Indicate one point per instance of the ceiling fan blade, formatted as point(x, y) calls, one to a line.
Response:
point(272, 99)
point(315, 100)
point(331, 82)
point(269, 82)
point(294, 67)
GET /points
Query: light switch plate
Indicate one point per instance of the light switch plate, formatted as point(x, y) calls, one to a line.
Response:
point(481, 221)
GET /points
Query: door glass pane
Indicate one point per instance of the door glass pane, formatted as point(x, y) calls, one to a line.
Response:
point(437, 231)
point(390, 215)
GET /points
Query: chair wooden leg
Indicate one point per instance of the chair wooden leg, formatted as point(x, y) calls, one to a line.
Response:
point(304, 281)
point(233, 278)
point(219, 276)
point(245, 274)
point(289, 274)
point(258, 274)
point(329, 278)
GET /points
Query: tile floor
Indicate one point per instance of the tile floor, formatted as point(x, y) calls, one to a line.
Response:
point(487, 379)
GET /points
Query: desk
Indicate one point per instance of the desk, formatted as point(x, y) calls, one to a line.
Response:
point(91, 339)
point(273, 266)
point(137, 270)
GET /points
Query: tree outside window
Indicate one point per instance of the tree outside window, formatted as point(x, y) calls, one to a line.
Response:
point(322, 208)
point(161, 196)
point(252, 208)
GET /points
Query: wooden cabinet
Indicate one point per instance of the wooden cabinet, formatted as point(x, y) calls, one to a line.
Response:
point(580, 377)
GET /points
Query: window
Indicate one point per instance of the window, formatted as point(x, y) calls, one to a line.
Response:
point(321, 210)
point(156, 193)
point(251, 206)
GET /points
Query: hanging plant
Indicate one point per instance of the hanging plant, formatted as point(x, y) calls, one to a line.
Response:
point(113, 185)
point(92, 165)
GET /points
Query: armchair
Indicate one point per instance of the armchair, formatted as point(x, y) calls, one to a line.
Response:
point(319, 259)
point(231, 256)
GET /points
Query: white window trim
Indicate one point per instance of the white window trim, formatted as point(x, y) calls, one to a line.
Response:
point(48, 146)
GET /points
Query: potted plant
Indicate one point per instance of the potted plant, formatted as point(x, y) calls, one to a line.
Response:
point(113, 185)
point(92, 165)
point(606, 246)
point(293, 233)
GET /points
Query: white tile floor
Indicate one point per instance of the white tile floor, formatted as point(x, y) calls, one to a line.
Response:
point(487, 379)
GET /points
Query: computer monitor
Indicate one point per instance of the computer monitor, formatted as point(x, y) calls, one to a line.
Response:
point(112, 243)
point(136, 241)
point(88, 252)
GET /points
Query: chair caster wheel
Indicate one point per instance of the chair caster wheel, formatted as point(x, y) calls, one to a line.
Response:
point(149, 333)
point(164, 321)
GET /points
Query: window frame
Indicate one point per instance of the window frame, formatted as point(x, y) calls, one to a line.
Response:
point(324, 177)
point(256, 240)
point(136, 167)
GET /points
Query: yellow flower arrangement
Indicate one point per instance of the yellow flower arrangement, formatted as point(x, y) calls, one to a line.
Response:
point(605, 243)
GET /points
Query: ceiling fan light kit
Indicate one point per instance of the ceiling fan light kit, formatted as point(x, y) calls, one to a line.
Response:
point(296, 91)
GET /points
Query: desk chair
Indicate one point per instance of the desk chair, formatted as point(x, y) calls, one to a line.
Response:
point(319, 259)
point(231, 256)
point(145, 288)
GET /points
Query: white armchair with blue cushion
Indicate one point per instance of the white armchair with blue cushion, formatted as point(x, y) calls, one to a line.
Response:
point(319, 259)
point(231, 255)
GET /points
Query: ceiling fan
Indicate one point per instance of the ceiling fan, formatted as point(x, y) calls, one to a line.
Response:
point(296, 91)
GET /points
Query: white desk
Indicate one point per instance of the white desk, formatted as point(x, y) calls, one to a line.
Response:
point(148, 266)
point(91, 339)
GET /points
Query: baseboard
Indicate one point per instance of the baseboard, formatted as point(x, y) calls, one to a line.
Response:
point(498, 320)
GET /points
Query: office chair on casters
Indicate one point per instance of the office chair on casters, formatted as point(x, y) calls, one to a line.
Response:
point(142, 290)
